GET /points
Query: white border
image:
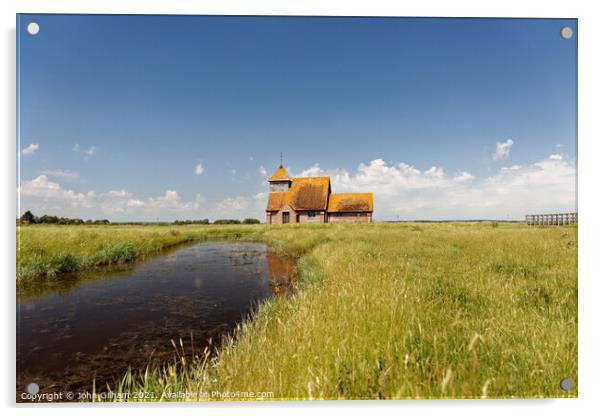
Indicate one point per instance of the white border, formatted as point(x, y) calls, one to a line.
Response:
point(590, 152)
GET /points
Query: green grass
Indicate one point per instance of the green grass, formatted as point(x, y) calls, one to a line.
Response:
point(46, 251)
point(393, 311)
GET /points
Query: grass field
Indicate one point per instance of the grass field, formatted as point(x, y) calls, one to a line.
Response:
point(45, 251)
point(382, 310)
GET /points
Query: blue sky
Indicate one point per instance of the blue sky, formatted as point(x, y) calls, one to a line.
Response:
point(440, 118)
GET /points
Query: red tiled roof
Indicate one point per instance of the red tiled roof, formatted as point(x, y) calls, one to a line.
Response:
point(276, 201)
point(350, 202)
point(279, 175)
point(309, 194)
point(305, 194)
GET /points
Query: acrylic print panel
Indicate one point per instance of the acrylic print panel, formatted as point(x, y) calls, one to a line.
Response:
point(290, 208)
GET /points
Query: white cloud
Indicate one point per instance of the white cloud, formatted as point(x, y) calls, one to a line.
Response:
point(50, 194)
point(229, 205)
point(199, 169)
point(241, 207)
point(262, 171)
point(435, 172)
point(171, 201)
point(60, 173)
point(401, 190)
point(463, 177)
point(43, 196)
point(135, 203)
point(31, 149)
point(502, 150)
point(122, 193)
point(315, 170)
point(89, 152)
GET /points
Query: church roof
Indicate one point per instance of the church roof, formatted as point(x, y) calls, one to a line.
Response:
point(276, 201)
point(279, 175)
point(350, 202)
point(309, 194)
point(305, 194)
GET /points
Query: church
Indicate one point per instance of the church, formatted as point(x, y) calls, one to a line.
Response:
point(310, 199)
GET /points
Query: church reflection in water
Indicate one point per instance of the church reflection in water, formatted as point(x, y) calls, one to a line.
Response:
point(282, 273)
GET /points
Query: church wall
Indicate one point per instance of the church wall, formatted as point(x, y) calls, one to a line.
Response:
point(350, 217)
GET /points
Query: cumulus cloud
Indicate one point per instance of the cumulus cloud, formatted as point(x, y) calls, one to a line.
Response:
point(242, 206)
point(502, 150)
point(314, 170)
point(135, 203)
point(401, 191)
point(199, 169)
point(464, 177)
point(405, 192)
point(262, 171)
point(50, 195)
point(31, 149)
point(233, 204)
point(44, 196)
point(61, 173)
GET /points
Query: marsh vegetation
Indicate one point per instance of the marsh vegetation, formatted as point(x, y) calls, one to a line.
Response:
point(381, 310)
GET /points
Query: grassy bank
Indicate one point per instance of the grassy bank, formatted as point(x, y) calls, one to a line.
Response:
point(404, 311)
point(45, 251)
point(398, 311)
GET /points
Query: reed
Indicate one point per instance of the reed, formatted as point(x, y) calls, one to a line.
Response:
point(398, 311)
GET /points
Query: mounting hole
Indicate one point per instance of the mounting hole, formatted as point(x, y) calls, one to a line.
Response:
point(566, 32)
point(32, 388)
point(33, 28)
point(566, 384)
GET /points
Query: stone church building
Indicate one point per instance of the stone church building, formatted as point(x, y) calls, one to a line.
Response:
point(311, 200)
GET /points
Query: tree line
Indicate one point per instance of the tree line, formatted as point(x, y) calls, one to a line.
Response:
point(29, 218)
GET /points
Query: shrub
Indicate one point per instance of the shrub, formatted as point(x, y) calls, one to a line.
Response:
point(226, 221)
point(27, 218)
point(63, 262)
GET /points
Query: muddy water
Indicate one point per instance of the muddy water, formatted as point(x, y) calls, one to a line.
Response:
point(70, 333)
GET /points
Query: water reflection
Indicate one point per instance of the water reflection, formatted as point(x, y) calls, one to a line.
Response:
point(101, 323)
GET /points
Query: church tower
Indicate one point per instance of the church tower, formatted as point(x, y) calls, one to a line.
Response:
point(279, 181)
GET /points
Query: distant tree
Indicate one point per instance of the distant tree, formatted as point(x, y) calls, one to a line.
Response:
point(27, 218)
point(47, 219)
point(226, 221)
point(188, 222)
point(251, 221)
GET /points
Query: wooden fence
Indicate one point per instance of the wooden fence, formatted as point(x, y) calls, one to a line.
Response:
point(552, 219)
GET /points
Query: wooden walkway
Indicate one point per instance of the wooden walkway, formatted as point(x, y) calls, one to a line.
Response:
point(552, 219)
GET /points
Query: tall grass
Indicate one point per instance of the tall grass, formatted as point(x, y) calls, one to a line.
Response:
point(402, 311)
point(44, 251)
